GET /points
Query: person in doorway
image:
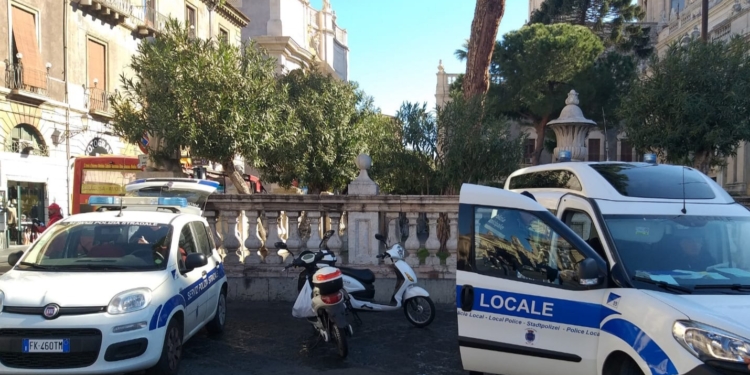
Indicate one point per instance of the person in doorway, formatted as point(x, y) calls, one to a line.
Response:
point(55, 215)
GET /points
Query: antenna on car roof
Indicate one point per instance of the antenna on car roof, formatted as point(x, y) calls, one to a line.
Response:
point(684, 210)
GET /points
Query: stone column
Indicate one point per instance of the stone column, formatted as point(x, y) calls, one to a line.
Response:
point(231, 242)
point(394, 232)
point(212, 217)
point(293, 241)
point(432, 244)
point(362, 226)
point(313, 243)
point(334, 243)
point(452, 243)
point(273, 236)
point(252, 243)
point(412, 243)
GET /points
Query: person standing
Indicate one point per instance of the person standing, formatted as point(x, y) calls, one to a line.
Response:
point(55, 215)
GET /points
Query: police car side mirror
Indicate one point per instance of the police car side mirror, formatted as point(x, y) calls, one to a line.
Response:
point(195, 260)
point(588, 272)
point(14, 258)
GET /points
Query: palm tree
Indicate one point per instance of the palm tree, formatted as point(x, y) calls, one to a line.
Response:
point(462, 52)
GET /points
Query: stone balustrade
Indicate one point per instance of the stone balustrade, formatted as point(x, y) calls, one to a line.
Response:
point(248, 226)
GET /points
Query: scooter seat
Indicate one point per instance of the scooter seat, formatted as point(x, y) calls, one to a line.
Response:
point(365, 276)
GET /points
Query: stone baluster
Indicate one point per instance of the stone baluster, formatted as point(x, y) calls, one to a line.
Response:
point(432, 244)
point(412, 243)
point(252, 243)
point(314, 242)
point(283, 221)
point(452, 243)
point(273, 236)
point(334, 243)
point(394, 230)
point(293, 242)
point(212, 217)
point(231, 242)
point(264, 236)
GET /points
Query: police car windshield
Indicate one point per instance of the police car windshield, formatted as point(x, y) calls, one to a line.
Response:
point(100, 247)
point(704, 251)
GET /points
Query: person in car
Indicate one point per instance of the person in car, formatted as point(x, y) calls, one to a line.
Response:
point(146, 235)
point(691, 255)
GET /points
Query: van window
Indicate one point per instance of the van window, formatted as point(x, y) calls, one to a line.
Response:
point(516, 244)
point(581, 223)
point(558, 179)
point(655, 181)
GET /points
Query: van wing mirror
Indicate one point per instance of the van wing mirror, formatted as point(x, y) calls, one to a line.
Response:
point(588, 272)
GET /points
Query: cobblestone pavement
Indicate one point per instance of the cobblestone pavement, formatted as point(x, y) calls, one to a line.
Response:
point(264, 338)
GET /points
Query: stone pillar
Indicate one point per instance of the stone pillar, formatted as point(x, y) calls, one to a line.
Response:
point(231, 242)
point(334, 243)
point(452, 243)
point(362, 226)
point(412, 243)
point(394, 233)
point(313, 243)
point(293, 241)
point(273, 236)
point(212, 217)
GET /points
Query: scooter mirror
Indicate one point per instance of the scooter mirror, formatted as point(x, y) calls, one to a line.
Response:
point(280, 245)
point(380, 237)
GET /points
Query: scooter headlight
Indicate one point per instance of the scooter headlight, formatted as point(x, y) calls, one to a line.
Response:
point(707, 343)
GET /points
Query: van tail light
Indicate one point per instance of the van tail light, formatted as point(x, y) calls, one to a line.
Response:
point(331, 299)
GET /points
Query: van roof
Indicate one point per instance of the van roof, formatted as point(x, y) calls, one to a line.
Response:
point(620, 181)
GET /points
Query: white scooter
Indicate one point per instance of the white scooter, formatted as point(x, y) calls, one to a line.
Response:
point(360, 286)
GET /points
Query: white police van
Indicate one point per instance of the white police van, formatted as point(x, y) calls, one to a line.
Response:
point(612, 268)
point(116, 290)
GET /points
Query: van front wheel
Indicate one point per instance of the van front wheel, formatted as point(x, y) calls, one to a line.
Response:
point(629, 367)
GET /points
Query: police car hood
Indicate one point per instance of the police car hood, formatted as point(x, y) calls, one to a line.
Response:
point(74, 289)
point(729, 312)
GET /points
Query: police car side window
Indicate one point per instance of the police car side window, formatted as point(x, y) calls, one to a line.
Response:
point(518, 245)
point(201, 238)
point(581, 223)
point(187, 242)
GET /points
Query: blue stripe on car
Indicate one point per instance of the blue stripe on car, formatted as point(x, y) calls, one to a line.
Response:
point(186, 297)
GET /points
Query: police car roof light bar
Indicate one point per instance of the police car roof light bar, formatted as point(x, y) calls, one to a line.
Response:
point(138, 201)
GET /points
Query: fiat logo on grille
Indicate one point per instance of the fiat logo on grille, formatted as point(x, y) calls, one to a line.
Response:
point(51, 311)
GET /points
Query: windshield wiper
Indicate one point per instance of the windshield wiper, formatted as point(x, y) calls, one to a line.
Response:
point(664, 285)
point(37, 266)
point(99, 267)
point(724, 286)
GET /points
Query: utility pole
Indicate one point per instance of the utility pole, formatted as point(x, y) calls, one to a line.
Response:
point(704, 21)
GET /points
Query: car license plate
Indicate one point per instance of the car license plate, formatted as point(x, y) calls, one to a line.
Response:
point(46, 345)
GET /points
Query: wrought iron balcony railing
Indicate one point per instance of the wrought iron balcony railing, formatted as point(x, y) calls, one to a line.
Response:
point(18, 146)
point(19, 77)
point(98, 100)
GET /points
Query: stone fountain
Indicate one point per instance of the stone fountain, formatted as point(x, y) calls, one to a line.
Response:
point(571, 129)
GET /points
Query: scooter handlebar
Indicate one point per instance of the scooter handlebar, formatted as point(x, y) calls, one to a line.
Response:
point(382, 256)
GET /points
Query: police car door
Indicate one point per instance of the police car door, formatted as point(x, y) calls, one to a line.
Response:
point(190, 282)
point(521, 306)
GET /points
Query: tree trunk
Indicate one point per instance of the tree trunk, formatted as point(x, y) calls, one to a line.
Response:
point(702, 162)
point(487, 16)
point(235, 177)
point(541, 128)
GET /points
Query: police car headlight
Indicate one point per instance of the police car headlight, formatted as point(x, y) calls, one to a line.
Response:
point(129, 301)
point(707, 343)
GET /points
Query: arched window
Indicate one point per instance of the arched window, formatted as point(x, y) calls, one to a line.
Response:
point(25, 139)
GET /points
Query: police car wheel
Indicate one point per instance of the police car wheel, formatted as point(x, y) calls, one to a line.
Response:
point(171, 352)
point(628, 367)
point(216, 325)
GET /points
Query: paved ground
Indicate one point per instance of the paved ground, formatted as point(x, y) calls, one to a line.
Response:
point(266, 339)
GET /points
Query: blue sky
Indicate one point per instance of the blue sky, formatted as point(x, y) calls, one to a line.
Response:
point(395, 45)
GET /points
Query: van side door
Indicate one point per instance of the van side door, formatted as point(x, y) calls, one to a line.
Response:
point(522, 309)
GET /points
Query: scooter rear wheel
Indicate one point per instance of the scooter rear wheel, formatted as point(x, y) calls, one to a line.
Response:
point(414, 309)
point(340, 338)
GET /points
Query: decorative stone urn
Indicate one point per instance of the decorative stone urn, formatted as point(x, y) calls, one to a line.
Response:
point(571, 129)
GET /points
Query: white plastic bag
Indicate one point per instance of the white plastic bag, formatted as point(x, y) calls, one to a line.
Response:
point(303, 306)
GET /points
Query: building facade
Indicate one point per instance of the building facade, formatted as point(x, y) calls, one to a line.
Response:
point(63, 60)
point(298, 35)
point(677, 20)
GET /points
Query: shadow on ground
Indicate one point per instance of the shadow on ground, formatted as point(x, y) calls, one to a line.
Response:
point(264, 338)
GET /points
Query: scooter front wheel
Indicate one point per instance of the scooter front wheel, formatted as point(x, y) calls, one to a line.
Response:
point(419, 311)
point(340, 338)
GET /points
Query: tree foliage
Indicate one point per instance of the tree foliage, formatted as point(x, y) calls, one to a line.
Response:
point(537, 65)
point(693, 106)
point(218, 100)
point(331, 123)
point(476, 146)
point(612, 20)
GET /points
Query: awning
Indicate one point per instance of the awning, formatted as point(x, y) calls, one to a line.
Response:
point(25, 38)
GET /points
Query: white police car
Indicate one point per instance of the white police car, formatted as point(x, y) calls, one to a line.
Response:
point(613, 268)
point(116, 290)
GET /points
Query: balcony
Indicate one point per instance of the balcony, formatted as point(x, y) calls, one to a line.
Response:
point(97, 102)
point(27, 84)
point(150, 22)
point(26, 147)
point(113, 11)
